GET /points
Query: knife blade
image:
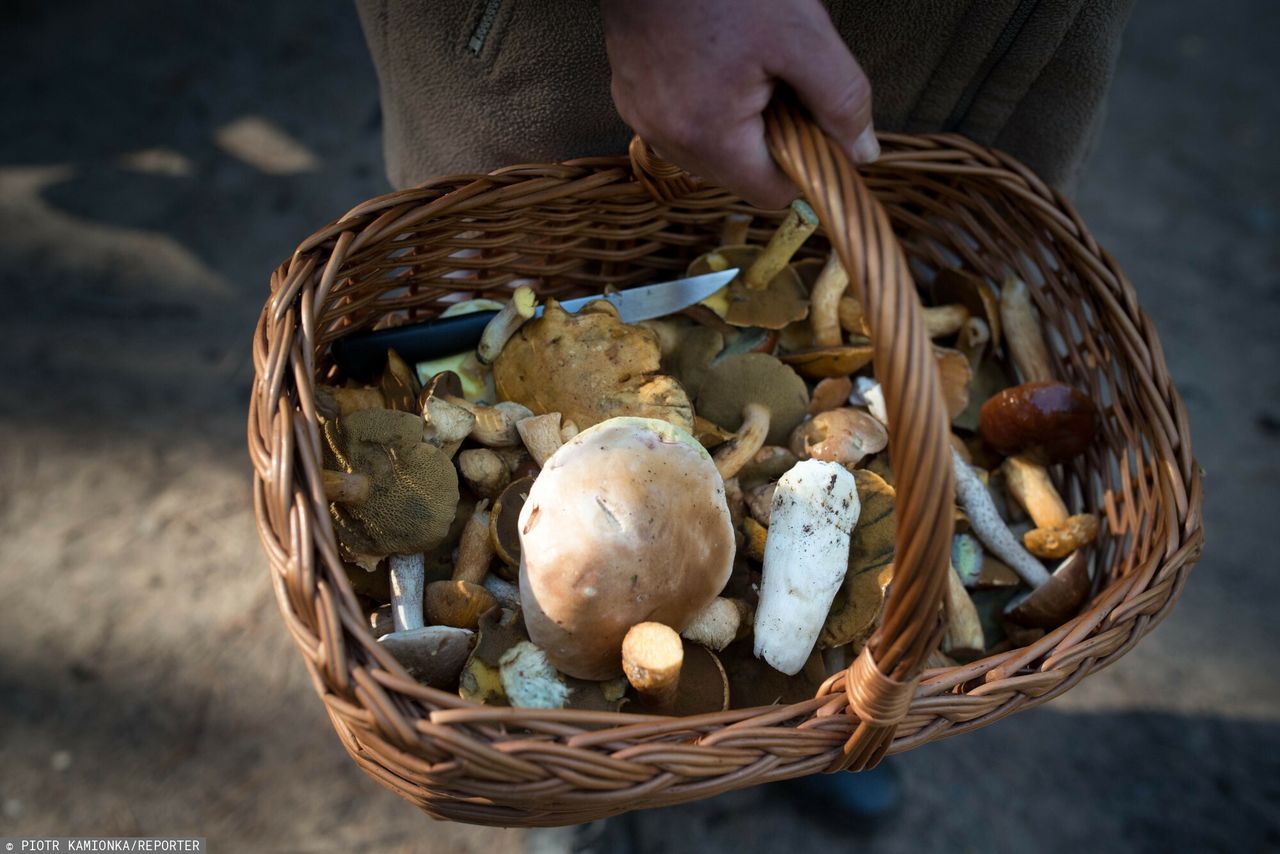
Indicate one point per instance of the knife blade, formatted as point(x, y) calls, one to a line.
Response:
point(363, 355)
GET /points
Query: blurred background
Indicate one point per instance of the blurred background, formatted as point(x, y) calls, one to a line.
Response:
point(160, 158)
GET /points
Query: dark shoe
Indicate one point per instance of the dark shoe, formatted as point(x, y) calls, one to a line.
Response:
point(865, 799)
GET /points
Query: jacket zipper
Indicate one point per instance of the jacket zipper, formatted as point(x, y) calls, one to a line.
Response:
point(484, 26)
point(1007, 37)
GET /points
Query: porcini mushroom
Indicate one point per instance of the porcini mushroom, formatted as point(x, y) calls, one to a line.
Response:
point(830, 393)
point(845, 435)
point(627, 523)
point(541, 436)
point(815, 508)
point(460, 601)
point(589, 367)
point(672, 677)
point(504, 324)
point(1057, 533)
point(757, 378)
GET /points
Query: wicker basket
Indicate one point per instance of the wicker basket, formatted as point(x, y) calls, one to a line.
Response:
point(574, 227)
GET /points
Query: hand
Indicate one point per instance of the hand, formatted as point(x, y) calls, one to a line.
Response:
point(693, 77)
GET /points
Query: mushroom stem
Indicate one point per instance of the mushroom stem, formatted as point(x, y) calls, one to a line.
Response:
point(518, 309)
point(345, 487)
point(939, 320)
point(974, 336)
point(407, 575)
point(475, 549)
point(760, 502)
point(496, 425)
point(733, 455)
point(568, 430)
point(733, 232)
point(484, 471)
point(990, 528)
point(815, 508)
point(652, 656)
point(964, 629)
point(1022, 332)
point(541, 435)
point(446, 424)
point(824, 302)
point(799, 223)
point(1029, 484)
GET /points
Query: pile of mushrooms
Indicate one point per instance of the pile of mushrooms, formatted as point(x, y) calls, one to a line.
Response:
point(695, 513)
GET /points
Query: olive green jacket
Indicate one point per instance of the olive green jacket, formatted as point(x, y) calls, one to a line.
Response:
point(472, 85)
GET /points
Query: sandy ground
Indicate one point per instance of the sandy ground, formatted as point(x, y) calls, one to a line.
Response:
point(159, 160)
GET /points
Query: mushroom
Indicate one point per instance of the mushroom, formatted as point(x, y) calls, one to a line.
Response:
point(492, 426)
point(504, 525)
point(939, 320)
point(734, 229)
point(460, 601)
point(756, 539)
point(757, 378)
point(815, 508)
point(844, 435)
point(627, 523)
point(671, 676)
point(768, 464)
point(720, 623)
point(954, 375)
point(589, 367)
point(484, 472)
point(447, 424)
point(830, 393)
point(333, 401)
point(838, 361)
point(733, 455)
point(398, 384)
point(987, 525)
point(541, 436)
point(963, 638)
point(697, 346)
point(857, 607)
point(760, 501)
point(972, 341)
point(504, 592)
point(791, 233)
point(1050, 419)
point(952, 286)
point(1057, 534)
point(824, 302)
point(504, 324)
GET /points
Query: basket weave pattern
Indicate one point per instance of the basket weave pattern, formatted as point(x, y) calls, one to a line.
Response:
point(573, 228)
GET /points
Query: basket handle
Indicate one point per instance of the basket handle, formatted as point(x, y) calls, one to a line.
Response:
point(880, 683)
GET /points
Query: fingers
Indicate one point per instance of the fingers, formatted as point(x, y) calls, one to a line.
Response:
point(828, 80)
point(737, 158)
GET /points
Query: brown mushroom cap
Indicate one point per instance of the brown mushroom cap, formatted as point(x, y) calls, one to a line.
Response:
point(1048, 417)
point(414, 492)
point(698, 347)
point(830, 361)
point(784, 301)
point(843, 435)
point(1058, 599)
point(504, 524)
point(627, 523)
point(754, 378)
point(588, 366)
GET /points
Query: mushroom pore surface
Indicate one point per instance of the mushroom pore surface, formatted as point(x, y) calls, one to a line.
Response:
point(627, 523)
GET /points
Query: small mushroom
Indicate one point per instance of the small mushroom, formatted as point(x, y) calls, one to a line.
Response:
point(972, 341)
point(858, 605)
point(333, 401)
point(589, 367)
point(824, 302)
point(952, 286)
point(496, 425)
point(830, 393)
point(627, 523)
point(447, 424)
point(963, 638)
point(939, 320)
point(756, 539)
point(529, 680)
point(760, 501)
point(1050, 419)
point(1057, 534)
point(499, 330)
point(671, 676)
point(504, 525)
point(733, 455)
point(768, 464)
point(1058, 599)
point(541, 436)
point(506, 593)
point(844, 435)
point(734, 229)
point(475, 377)
point(697, 346)
point(484, 472)
point(815, 508)
point(757, 378)
point(836, 361)
point(954, 375)
point(718, 625)
point(987, 525)
point(792, 232)
point(398, 384)
point(774, 307)
point(461, 601)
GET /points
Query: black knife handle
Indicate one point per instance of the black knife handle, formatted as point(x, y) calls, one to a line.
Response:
point(363, 356)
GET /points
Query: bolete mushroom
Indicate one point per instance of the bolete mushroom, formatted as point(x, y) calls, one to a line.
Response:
point(720, 623)
point(845, 435)
point(541, 436)
point(857, 607)
point(837, 361)
point(484, 472)
point(815, 508)
point(824, 303)
point(504, 324)
point(461, 601)
point(670, 676)
point(626, 523)
point(754, 378)
point(952, 286)
point(589, 367)
point(504, 526)
point(1057, 533)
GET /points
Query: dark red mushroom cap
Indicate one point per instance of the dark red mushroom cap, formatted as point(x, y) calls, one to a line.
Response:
point(1051, 418)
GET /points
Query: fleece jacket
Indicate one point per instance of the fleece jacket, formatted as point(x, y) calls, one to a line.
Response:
point(473, 85)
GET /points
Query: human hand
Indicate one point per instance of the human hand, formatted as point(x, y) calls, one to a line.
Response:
point(693, 77)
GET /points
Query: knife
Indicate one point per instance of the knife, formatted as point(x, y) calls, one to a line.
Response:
point(363, 355)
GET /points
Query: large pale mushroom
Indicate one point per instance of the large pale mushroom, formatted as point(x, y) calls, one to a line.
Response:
point(626, 523)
